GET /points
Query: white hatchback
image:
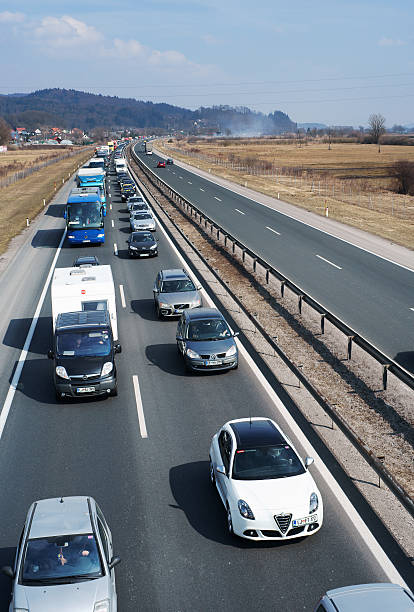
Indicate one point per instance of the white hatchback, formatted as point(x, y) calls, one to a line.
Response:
point(264, 485)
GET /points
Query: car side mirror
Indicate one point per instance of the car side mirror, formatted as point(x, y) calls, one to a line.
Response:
point(155, 290)
point(7, 571)
point(117, 348)
point(308, 461)
point(51, 354)
point(114, 561)
point(221, 469)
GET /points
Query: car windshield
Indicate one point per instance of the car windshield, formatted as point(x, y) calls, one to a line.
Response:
point(85, 215)
point(208, 329)
point(57, 558)
point(139, 216)
point(177, 286)
point(264, 462)
point(142, 238)
point(83, 343)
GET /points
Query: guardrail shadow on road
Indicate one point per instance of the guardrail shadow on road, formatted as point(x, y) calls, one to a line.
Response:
point(48, 239)
point(18, 329)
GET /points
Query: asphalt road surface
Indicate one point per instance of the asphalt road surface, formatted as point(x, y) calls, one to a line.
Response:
point(167, 522)
point(373, 296)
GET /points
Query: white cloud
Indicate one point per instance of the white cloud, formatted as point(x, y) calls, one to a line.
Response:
point(66, 32)
point(7, 17)
point(124, 49)
point(391, 42)
point(210, 39)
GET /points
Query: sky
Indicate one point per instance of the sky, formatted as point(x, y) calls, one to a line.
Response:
point(325, 61)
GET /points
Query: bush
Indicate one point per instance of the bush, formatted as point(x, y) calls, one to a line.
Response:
point(403, 172)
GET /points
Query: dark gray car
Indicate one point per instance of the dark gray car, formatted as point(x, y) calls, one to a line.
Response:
point(174, 291)
point(206, 341)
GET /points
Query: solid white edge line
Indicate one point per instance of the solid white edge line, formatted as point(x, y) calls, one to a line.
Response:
point(115, 249)
point(216, 198)
point(140, 409)
point(328, 262)
point(412, 309)
point(318, 229)
point(121, 291)
point(240, 211)
point(372, 544)
point(272, 230)
point(22, 358)
point(201, 189)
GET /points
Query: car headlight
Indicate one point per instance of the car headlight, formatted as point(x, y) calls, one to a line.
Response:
point(192, 354)
point(154, 246)
point(314, 503)
point(232, 351)
point(61, 372)
point(164, 305)
point(102, 606)
point(70, 236)
point(245, 509)
point(133, 248)
point(107, 368)
point(101, 235)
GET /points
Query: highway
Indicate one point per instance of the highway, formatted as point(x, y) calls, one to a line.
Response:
point(167, 522)
point(373, 296)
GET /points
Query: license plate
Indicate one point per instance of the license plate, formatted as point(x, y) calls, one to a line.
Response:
point(85, 389)
point(212, 362)
point(178, 311)
point(85, 240)
point(305, 521)
point(144, 254)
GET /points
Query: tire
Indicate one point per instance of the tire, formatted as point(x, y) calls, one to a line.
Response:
point(212, 474)
point(113, 392)
point(236, 366)
point(159, 315)
point(229, 520)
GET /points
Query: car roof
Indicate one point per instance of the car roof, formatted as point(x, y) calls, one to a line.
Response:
point(174, 273)
point(60, 516)
point(380, 597)
point(143, 233)
point(203, 313)
point(250, 433)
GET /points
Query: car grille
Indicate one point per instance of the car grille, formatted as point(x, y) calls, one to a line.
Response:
point(269, 533)
point(179, 306)
point(296, 530)
point(214, 356)
point(84, 376)
point(283, 522)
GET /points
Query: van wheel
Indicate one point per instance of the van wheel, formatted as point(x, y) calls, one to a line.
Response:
point(114, 392)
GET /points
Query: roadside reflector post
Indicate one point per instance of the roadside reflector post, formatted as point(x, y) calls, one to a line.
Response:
point(322, 324)
point(282, 288)
point(385, 375)
point(27, 222)
point(44, 202)
point(278, 195)
point(350, 338)
point(63, 180)
point(382, 459)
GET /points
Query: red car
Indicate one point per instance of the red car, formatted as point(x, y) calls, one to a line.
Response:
point(161, 164)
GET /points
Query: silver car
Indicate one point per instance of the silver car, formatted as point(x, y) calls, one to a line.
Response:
point(136, 207)
point(376, 597)
point(174, 291)
point(140, 221)
point(135, 199)
point(66, 549)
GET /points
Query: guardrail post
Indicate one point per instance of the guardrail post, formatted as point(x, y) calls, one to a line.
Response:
point(350, 338)
point(243, 254)
point(211, 228)
point(385, 375)
point(254, 264)
point(282, 288)
point(300, 297)
point(218, 234)
point(267, 275)
point(233, 247)
point(322, 324)
point(225, 240)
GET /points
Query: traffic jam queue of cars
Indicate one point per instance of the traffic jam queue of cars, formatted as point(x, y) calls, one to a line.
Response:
point(65, 559)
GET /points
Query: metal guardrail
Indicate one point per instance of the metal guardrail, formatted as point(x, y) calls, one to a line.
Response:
point(388, 365)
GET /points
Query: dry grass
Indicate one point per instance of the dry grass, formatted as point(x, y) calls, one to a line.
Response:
point(13, 161)
point(24, 199)
point(353, 181)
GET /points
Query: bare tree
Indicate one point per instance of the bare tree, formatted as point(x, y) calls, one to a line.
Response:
point(4, 132)
point(376, 124)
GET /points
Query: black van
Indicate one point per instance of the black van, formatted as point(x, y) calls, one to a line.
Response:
point(84, 355)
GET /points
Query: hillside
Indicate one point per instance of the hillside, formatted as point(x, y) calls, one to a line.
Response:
point(69, 108)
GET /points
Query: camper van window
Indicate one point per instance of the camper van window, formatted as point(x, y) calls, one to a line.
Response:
point(95, 305)
point(82, 344)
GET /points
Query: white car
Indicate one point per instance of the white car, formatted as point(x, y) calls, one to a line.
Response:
point(64, 560)
point(264, 485)
point(141, 221)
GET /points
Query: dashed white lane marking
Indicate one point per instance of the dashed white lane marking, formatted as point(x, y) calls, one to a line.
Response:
point(201, 189)
point(115, 249)
point(412, 309)
point(239, 211)
point(216, 198)
point(180, 177)
point(173, 172)
point(328, 262)
point(140, 409)
point(189, 182)
point(121, 291)
point(110, 207)
point(272, 230)
point(112, 221)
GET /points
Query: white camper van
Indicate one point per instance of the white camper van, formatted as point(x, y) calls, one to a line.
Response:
point(77, 289)
point(120, 166)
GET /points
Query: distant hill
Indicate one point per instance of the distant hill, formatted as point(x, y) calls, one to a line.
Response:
point(69, 108)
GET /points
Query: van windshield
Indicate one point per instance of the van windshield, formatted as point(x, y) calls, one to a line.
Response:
point(86, 215)
point(83, 344)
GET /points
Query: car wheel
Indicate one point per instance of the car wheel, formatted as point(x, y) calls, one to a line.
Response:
point(212, 474)
point(229, 520)
point(114, 392)
point(236, 366)
point(159, 315)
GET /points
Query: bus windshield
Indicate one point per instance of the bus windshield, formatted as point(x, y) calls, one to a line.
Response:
point(87, 215)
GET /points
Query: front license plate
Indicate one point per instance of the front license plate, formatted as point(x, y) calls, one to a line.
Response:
point(212, 362)
point(305, 521)
point(85, 389)
point(85, 240)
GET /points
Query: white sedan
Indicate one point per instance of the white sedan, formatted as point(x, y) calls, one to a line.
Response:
point(264, 485)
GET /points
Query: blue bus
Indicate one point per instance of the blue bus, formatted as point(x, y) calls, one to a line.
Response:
point(97, 191)
point(91, 177)
point(84, 216)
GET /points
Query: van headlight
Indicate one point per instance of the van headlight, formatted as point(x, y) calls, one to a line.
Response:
point(192, 354)
point(102, 606)
point(107, 368)
point(154, 246)
point(232, 351)
point(61, 372)
point(133, 248)
point(101, 235)
point(314, 503)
